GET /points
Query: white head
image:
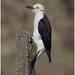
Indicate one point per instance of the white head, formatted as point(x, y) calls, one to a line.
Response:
point(36, 8)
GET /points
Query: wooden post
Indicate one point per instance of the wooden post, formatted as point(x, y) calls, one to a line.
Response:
point(25, 52)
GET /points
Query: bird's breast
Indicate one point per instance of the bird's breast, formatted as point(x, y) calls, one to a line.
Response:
point(35, 31)
point(36, 34)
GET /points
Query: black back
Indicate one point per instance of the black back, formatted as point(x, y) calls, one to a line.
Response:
point(44, 28)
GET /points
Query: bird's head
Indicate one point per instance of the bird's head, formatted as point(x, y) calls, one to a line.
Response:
point(36, 8)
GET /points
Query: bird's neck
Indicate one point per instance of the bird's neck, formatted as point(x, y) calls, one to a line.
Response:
point(38, 16)
point(39, 13)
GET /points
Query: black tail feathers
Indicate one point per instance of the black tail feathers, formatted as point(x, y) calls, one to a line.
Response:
point(49, 58)
point(33, 62)
point(49, 55)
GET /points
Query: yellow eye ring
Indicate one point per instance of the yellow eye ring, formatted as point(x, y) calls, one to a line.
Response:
point(37, 8)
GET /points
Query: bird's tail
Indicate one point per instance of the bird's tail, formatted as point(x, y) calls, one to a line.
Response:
point(33, 62)
point(49, 56)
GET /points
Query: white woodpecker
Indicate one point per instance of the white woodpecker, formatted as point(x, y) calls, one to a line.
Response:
point(41, 32)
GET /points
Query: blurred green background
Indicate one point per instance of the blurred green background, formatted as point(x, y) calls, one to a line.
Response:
point(17, 18)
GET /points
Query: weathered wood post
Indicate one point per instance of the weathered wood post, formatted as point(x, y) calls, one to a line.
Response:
point(25, 52)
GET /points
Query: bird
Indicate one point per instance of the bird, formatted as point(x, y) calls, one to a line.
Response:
point(42, 32)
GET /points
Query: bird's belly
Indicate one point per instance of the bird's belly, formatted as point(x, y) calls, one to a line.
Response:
point(38, 40)
point(36, 35)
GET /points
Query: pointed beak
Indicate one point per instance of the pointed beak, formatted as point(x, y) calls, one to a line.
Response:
point(29, 7)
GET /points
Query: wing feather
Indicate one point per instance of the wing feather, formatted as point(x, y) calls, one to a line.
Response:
point(44, 29)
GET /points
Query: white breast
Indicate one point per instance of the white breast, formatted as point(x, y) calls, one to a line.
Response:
point(36, 35)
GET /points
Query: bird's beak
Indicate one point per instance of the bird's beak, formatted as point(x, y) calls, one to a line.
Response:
point(29, 7)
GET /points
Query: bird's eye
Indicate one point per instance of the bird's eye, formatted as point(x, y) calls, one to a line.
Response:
point(37, 8)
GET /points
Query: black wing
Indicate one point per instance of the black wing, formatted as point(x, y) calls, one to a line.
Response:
point(44, 29)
